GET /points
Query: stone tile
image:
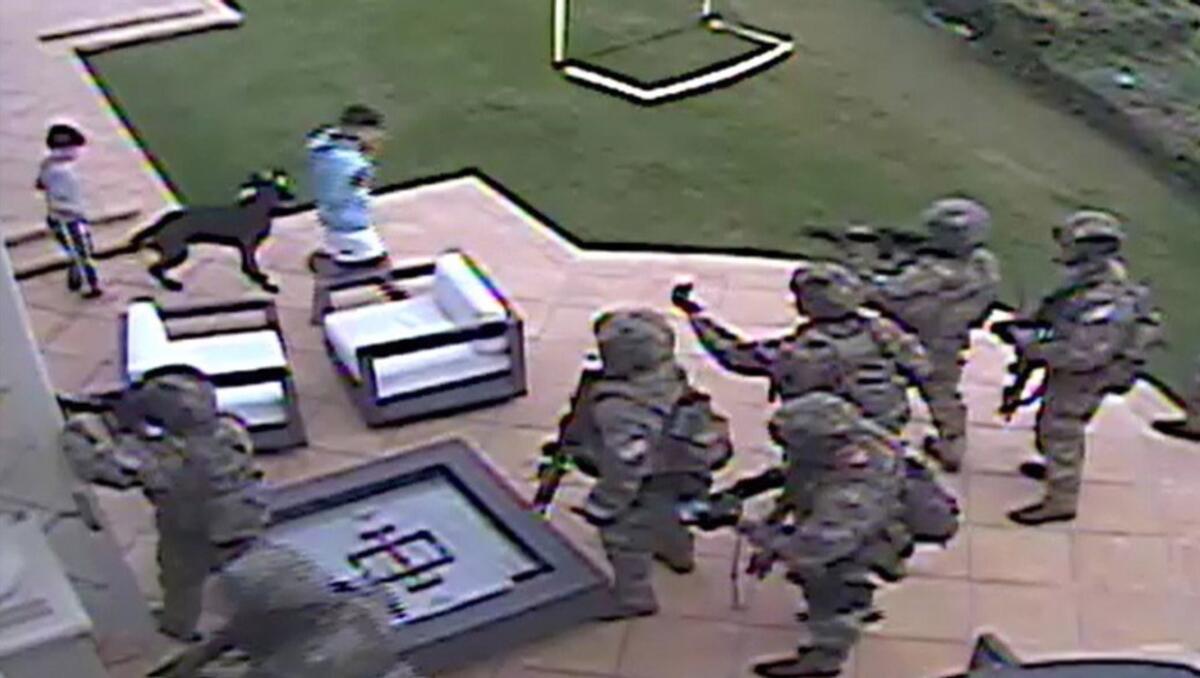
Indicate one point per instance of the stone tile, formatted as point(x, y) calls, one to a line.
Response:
point(1185, 565)
point(88, 336)
point(46, 324)
point(484, 669)
point(1114, 622)
point(587, 290)
point(70, 373)
point(593, 648)
point(569, 322)
point(142, 559)
point(896, 658)
point(990, 498)
point(541, 408)
point(516, 452)
point(1020, 555)
point(924, 608)
point(742, 307)
point(1118, 508)
point(524, 672)
point(1119, 563)
point(998, 450)
point(705, 593)
point(761, 645)
point(1177, 502)
point(953, 561)
point(335, 424)
point(317, 378)
point(698, 648)
point(772, 601)
point(128, 514)
point(1034, 619)
point(302, 464)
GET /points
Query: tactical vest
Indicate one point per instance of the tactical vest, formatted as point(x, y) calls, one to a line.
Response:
point(853, 365)
point(693, 437)
point(1121, 303)
point(965, 292)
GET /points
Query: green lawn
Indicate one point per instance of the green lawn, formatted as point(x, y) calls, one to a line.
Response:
point(874, 116)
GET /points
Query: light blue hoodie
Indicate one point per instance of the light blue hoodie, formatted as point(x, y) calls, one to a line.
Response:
point(341, 176)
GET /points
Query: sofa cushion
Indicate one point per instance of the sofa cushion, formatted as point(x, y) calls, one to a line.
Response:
point(231, 352)
point(349, 330)
point(441, 366)
point(461, 293)
point(256, 404)
point(145, 338)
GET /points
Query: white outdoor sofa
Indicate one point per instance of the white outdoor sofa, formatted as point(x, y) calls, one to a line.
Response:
point(452, 343)
point(248, 366)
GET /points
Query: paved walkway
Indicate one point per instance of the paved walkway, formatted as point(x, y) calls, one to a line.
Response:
point(1123, 579)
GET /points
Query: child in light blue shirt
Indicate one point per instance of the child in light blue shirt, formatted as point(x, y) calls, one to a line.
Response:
point(343, 168)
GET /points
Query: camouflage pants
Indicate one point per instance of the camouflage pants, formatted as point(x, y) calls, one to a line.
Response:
point(649, 529)
point(1070, 402)
point(184, 564)
point(827, 594)
point(942, 393)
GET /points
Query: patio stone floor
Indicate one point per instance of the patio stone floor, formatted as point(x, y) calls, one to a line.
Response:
point(1123, 579)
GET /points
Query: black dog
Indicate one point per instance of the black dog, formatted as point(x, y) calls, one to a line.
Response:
point(245, 226)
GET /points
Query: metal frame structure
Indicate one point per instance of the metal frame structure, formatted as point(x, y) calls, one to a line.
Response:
point(772, 48)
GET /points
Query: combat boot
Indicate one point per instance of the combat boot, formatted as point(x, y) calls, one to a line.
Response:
point(618, 610)
point(948, 452)
point(809, 662)
point(1046, 511)
point(1033, 469)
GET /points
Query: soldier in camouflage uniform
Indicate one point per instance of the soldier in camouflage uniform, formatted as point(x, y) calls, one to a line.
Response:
point(1100, 327)
point(652, 442)
point(193, 464)
point(946, 290)
point(868, 360)
point(290, 622)
point(844, 488)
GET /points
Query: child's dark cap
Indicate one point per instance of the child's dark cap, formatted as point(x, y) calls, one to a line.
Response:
point(64, 136)
point(359, 115)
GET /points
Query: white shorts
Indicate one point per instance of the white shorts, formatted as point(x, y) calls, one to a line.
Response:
point(354, 246)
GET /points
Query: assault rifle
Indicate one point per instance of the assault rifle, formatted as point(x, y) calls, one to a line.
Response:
point(893, 245)
point(724, 508)
point(556, 462)
point(1013, 398)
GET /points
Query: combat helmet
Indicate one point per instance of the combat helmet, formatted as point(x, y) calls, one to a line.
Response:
point(826, 290)
point(957, 225)
point(178, 399)
point(1089, 235)
point(271, 576)
point(815, 415)
point(633, 341)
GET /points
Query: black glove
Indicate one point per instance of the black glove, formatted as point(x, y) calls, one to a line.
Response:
point(761, 564)
point(681, 297)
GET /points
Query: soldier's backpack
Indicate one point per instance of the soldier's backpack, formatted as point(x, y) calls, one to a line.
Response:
point(931, 513)
point(694, 437)
point(1144, 334)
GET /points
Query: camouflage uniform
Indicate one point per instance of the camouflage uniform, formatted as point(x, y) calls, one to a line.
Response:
point(625, 430)
point(197, 472)
point(844, 488)
point(1101, 325)
point(868, 360)
point(288, 620)
point(945, 291)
